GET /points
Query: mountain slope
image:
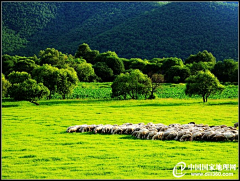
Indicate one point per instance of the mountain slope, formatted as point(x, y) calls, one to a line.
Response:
point(132, 29)
point(176, 29)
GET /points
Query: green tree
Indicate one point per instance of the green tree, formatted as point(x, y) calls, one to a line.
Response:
point(53, 57)
point(234, 76)
point(8, 63)
point(116, 64)
point(177, 74)
point(85, 72)
point(157, 80)
point(138, 63)
point(203, 84)
point(197, 66)
point(102, 57)
point(103, 72)
point(18, 77)
point(132, 84)
point(67, 80)
point(225, 69)
point(203, 56)
point(24, 64)
point(5, 85)
point(86, 53)
point(48, 75)
point(28, 90)
point(25, 88)
point(167, 63)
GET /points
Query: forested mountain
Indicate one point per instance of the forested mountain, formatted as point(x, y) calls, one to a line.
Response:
point(131, 29)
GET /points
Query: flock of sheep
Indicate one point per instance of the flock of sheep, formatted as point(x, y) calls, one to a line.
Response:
point(178, 132)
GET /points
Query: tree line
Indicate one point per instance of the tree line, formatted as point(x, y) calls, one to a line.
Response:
point(32, 78)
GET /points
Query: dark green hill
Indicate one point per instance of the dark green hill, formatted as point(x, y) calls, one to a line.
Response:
point(176, 29)
point(131, 29)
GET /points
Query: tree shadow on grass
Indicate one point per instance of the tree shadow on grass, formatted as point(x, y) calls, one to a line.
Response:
point(222, 103)
point(15, 105)
point(157, 104)
point(72, 101)
point(179, 104)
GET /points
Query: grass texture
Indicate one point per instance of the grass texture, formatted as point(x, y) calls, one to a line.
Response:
point(35, 144)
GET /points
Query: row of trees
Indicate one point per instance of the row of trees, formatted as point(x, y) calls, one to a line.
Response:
point(135, 84)
point(91, 65)
point(55, 72)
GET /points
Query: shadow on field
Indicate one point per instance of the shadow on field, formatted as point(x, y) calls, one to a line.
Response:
point(10, 105)
point(222, 103)
point(158, 104)
point(68, 101)
point(179, 104)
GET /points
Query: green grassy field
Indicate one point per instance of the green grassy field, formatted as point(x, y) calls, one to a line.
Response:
point(35, 144)
point(103, 90)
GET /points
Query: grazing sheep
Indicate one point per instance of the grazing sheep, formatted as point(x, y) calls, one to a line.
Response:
point(229, 136)
point(97, 129)
point(181, 133)
point(142, 133)
point(196, 136)
point(185, 132)
point(73, 129)
point(236, 125)
point(236, 137)
point(150, 134)
point(186, 137)
point(158, 136)
point(172, 135)
point(135, 133)
point(191, 123)
point(219, 137)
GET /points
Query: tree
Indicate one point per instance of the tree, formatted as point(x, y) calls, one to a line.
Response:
point(24, 64)
point(177, 74)
point(85, 72)
point(132, 84)
point(53, 57)
point(102, 57)
point(28, 90)
point(116, 64)
point(203, 84)
point(18, 77)
point(138, 63)
point(225, 69)
point(5, 85)
point(197, 66)
point(8, 63)
point(66, 81)
point(25, 88)
point(157, 80)
point(103, 72)
point(48, 75)
point(169, 62)
point(203, 56)
point(86, 53)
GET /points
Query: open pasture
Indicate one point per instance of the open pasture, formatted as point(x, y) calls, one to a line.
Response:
point(35, 144)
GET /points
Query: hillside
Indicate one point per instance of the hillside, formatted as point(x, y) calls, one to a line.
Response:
point(131, 29)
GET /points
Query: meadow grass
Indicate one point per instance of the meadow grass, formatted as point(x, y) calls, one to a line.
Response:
point(35, 144)
point(103, 90)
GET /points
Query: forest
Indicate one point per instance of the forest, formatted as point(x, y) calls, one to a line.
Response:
point(32, 78)
point(132, 29)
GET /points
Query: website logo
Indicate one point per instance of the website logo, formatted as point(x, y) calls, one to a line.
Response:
point(178, 169)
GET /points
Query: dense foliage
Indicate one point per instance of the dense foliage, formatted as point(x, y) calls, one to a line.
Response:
point(133, 84)
point(60, 72)
point(25, 88)
point(133, 29)
point(203, 84)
